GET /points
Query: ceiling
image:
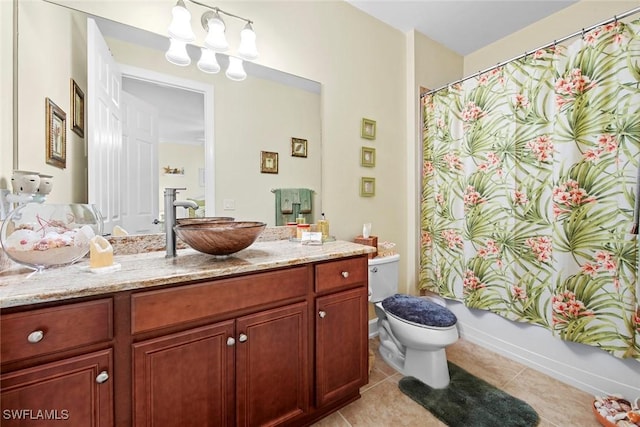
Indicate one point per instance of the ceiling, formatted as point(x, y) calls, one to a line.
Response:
point(463, 26)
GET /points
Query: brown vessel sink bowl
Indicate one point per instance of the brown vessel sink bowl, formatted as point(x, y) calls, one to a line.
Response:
point(204, 219)
point(219, 237)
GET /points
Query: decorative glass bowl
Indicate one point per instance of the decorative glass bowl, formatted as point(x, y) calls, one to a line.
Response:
point(220, 238)
point(49, 235)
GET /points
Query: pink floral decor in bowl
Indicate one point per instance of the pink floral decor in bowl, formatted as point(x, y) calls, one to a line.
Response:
point(48, 235)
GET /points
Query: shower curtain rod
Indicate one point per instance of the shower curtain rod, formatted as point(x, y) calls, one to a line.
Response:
point(555, 42)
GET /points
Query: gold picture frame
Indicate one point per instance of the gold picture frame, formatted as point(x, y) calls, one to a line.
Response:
point(77, 109)
point(56, 132)
point(268, 162)
point(368, 129)
point(368, 157)
point(367, 186)
point(298, 147)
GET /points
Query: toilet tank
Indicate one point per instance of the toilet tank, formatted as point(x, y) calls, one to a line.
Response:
point(383, 277)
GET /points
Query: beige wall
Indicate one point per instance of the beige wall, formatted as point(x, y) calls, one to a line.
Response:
point(42, 76)
point(6, 93)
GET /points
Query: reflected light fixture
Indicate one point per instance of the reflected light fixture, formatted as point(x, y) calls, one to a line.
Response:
point(181, 33)
point(177, 53)
point(236, 70)
point(208, 62)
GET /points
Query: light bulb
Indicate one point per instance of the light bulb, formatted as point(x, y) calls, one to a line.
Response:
point(180, 27)
point(248, 48)
point(208, 62)
point(177, 53)
point(235, 71)
point(215, 40)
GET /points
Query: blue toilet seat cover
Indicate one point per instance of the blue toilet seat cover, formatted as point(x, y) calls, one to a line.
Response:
point(419, 310)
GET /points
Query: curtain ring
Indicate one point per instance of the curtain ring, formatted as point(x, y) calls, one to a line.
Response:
point(583, 33)
point(615, 19)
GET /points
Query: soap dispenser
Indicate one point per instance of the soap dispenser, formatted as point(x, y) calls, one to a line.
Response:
point(323, 226)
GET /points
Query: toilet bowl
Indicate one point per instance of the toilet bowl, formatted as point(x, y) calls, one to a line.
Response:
point(413, 331)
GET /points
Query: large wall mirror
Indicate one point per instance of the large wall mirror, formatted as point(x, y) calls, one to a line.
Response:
point(209, 131)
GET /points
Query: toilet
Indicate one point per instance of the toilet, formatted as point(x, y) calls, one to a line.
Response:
point(413, 331)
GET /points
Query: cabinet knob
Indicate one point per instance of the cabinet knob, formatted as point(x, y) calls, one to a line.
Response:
point(322, 314)
point(102, 377)
point(35, 336)
point(242, 338)
point(345, 274)
point(231, 341)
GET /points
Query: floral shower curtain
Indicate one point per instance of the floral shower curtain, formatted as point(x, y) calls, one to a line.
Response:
point(529, 185)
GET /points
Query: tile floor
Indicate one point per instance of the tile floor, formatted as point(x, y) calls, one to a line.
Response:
point(383, 404)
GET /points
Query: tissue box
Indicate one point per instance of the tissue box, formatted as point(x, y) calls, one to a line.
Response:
point(369, 241)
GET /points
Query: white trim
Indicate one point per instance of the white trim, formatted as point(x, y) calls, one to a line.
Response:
point(584, 367)
point(209, 141)
point(373, 328)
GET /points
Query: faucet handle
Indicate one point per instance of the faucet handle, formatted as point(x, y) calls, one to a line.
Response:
point(171, 191)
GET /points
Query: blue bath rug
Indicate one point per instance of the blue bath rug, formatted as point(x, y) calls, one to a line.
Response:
point(469, 401)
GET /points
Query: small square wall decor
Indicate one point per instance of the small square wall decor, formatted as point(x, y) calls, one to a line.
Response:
point(368, 129)
point(56, 130)
point(367, 186)
point(368, 157)
point(268, 162)
point(77, 109)
point(298, 147)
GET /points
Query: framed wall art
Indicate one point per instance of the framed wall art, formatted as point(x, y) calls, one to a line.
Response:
point(368, 129)
point(268, 162)
point(56, 131)
point(368, 157)
point(298, 147)
point(367, 186)
point(77, 109)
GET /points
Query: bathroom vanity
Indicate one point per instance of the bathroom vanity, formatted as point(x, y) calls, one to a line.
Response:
point(274, 335)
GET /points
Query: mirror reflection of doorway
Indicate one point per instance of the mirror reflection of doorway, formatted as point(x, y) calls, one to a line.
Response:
point(127, 190)
point(180, 136)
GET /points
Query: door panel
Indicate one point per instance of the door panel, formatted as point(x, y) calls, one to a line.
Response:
point(64, 392)
point(185, 379)
point(272, 366)
point(140, 165)
point(341, 344)
point(104, 139)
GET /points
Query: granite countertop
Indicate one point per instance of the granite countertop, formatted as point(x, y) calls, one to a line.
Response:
point(150, 269)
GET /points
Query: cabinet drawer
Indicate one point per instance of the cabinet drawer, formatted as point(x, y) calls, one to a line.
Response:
point(168, 307)
point(341, 274)
point(48, 330)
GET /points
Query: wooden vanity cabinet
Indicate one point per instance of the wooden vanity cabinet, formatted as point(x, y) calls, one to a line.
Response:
point(281, 347)
point(249, 370)
point(72, 385)
point(341, 329)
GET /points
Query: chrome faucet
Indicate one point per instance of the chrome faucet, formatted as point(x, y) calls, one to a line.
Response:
point(170, 204)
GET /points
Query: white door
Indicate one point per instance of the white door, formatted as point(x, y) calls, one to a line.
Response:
point(140, 165)
point(104, 139)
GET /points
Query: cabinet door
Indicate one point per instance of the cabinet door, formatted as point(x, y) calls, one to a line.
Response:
point(341, 344)
point(185, 379)
point(76, 391)
point(272, 368)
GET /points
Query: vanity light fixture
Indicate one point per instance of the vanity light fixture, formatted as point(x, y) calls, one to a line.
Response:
point(181, 33)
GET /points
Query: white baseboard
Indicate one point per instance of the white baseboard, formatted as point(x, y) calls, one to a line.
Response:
point(373, 328)
point(584, 367)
